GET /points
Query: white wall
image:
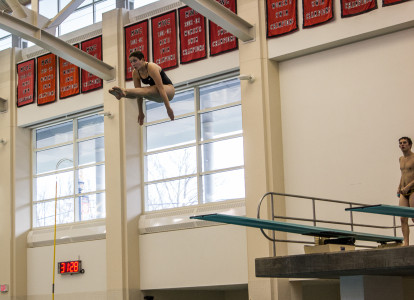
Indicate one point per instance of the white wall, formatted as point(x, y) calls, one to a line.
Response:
point(32, 114)
point(202, 257)
point(343, 111)
point(40, 271)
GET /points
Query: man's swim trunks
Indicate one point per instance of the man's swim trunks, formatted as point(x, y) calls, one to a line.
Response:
point(407, 195)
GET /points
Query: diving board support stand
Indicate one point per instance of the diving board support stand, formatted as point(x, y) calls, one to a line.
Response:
point(361, 273)
point(362, 287)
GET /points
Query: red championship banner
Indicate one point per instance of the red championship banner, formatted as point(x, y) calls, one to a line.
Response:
point(26, 75)
point(90, 81)
point(46, 79)
point(281, 17)
point(316, 12)
point(69, 78)
point(220, 40)
point(351, 8)
point(192, 35)
point(164, 40)
point(392, 2)
point(136, 39)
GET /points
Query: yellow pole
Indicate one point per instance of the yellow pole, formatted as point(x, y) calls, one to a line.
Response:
point(54, 238)
point(54, 246)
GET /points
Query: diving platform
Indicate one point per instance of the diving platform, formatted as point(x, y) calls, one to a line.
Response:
point(396, 261)
point(382, 209)
point(297, 228)
point(367, 274)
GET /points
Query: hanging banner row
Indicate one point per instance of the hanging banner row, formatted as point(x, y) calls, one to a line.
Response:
point(281, 19)
point(282, 14)
point(193, 42)
point(41, 72)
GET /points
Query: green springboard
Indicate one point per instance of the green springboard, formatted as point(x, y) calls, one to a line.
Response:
point(382, 209)
point(296, 228)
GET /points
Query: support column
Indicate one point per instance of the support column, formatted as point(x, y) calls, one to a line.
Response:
point(262, 145)
point(122, 170)
point(6, 183)
point(371, 287)
point(14, 187)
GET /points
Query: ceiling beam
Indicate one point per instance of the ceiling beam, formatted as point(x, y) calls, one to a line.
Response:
point(223, 17)
point(64, 13)
point(28, 15)
point(57, 46)
point(17, 9)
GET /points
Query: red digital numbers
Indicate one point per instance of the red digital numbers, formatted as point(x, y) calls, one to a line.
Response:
point(62, 267)
point(75, 266)
point(69, 267)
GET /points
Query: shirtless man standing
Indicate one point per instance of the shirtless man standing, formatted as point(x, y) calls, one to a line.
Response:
point(406, 187)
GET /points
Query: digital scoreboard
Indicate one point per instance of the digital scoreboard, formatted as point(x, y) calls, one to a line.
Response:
point(70, 267)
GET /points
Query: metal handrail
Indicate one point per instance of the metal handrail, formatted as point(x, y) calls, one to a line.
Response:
point(314, 219)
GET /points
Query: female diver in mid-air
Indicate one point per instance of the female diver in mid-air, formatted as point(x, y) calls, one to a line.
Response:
point(160, 87)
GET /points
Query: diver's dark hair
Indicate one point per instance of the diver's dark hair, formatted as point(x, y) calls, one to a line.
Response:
point(410, 142)
point(137, 54)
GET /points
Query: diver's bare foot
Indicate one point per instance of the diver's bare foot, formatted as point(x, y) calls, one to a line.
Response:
point(117, 92)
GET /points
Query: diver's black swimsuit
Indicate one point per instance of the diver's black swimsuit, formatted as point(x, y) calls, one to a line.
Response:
point(150, 81)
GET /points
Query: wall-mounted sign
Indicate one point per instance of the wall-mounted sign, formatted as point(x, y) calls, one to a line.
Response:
point(164, 40)
point(221, 40)
point(70, 267)
point(351, 8)
point(26, 75)
point(46, 79)
point(192, 35)
point(281, 17)
point(316, 12)
point(91, 82)
point(136, 39)
point(69, 78)
point(4, 288)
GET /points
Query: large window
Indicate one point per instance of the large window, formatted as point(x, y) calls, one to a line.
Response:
point(197, 158)
point(140, 3)
point(88, 13)
point(69, 166)
point(5, 40)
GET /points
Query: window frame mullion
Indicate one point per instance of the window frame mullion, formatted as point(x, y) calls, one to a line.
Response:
point(198, 149)
point(75, 165)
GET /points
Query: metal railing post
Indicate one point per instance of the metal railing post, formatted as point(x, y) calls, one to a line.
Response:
point(314, 212)
point(273, 232)
point(352, 217)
